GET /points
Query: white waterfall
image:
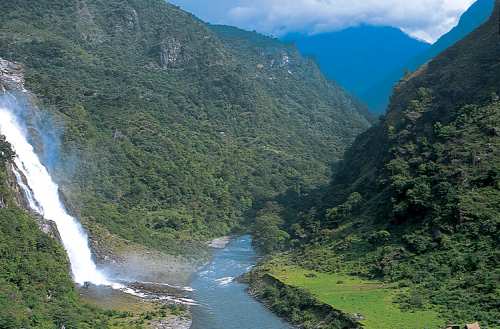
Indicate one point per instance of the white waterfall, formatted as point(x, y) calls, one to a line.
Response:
point(43, 197)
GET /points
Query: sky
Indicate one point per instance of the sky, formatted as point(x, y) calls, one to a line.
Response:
point(422, 19)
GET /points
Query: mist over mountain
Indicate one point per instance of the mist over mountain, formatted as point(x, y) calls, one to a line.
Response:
point(414, 204)
point(369, 60)
point(378, 95)
point(359, 57)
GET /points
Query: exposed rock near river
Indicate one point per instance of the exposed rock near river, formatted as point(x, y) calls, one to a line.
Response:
point(219, 243)
point(172, 323)
point(122, 258)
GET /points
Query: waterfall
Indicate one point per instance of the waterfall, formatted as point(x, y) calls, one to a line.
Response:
point(42, 194)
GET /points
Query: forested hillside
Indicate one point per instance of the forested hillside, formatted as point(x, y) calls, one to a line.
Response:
point(170, 132)
point(416, 202)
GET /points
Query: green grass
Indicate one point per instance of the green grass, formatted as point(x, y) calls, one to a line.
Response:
point(372, 299)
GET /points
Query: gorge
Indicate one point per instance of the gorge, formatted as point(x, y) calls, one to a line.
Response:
point(169, 132)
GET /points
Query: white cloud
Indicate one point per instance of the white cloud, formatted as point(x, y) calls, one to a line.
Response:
point(423, 19)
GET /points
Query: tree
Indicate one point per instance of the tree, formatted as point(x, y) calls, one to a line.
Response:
point(268, 235)
point(6, 152)
point(379, 237)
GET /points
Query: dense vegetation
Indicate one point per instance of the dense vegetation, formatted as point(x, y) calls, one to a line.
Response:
point(416, 202)
point(170, 131)
point(296, 305)
point(36, 290)
point(159, 129)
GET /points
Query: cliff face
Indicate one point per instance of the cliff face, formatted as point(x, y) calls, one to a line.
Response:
point(11, 76)
point(12, 85)
point(30, 258)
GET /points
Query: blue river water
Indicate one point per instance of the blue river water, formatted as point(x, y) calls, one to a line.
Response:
point(223, 302)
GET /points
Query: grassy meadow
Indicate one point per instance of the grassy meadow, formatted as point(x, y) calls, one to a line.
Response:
point(373, 300)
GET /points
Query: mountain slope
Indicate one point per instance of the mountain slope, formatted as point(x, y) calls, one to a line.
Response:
point(474, 17)
point(359, 57)
point(378, 95)
point(167, 135)
point(292, 79)
point(416, 202)
point(36, 289)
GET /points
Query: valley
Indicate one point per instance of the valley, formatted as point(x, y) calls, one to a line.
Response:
point(133, 136)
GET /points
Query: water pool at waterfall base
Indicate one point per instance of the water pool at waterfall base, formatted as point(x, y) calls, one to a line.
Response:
point(217, 300)
point(223, 302)
point(42, 196)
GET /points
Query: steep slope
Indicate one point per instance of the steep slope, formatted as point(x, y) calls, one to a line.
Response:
point(378, 95)
point(36, 289)
point(474, 17)
point(359, 57)
point(167, 136)
point(296, 82)
point(416, 202)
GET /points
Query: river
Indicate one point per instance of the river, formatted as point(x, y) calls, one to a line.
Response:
point(224, 303)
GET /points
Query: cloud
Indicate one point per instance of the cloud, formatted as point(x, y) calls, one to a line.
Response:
point(422, 19)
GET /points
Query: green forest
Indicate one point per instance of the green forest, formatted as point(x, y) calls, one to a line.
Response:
point(170, 133)
point(415, 204)
point(166, 133)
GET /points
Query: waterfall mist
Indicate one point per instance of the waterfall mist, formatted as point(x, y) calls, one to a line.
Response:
point(43, 196)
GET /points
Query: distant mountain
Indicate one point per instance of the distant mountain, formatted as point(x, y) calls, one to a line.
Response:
point(414, 204)
point(359, 57)
point(477, 14)
point(172, 133)
point(178, 130)
point(377, 97)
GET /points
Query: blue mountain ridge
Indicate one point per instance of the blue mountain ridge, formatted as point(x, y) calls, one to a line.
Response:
point(369, 60)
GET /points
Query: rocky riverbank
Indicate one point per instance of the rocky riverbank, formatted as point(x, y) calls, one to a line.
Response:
point(219, 243)
point(172, 323)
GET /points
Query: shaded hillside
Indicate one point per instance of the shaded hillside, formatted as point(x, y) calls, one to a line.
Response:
point(416, 202)
point(168, 135)
point(296, 82)
point(378, 95)
point(359, 57)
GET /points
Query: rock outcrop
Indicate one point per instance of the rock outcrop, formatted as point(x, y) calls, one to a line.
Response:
point(12, 82)
point(172, 323)
point(86, 26)
point(170, 52)
point(11, 76)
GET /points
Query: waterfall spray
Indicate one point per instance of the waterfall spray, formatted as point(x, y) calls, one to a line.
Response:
point(43, 198)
